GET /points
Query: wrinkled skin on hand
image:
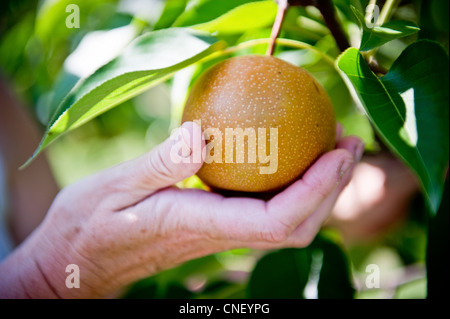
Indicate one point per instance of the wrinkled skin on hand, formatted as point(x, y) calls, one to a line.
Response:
point(129, 222)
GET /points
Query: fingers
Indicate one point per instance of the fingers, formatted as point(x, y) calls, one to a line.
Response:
point(352, 144)
point(248, 222)
point(172, 161)
point(307, 230)
point(251, 220)
point(177, 158)
point(299, 200)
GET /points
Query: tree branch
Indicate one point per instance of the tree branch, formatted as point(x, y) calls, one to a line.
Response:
point(328, 12)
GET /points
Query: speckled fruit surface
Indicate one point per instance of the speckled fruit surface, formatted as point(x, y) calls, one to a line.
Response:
point(262, 92)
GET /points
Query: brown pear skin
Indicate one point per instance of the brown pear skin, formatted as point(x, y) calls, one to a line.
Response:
point(258, 91)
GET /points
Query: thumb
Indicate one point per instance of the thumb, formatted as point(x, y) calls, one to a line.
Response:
point(177, 158)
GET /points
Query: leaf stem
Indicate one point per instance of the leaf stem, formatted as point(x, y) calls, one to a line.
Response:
point(386, 12)
point(282, 8)
point(280, 41)
point(369, 13)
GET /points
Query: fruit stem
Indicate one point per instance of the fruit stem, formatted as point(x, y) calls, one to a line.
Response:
point(280, 41)
point(282, 8)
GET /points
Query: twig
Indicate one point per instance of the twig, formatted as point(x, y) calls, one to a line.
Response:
point(280, 41)
point(282, 8)
point(328, 12)
point(369, 56)
point(387, 10)
point(375, 67)
point(369, 14)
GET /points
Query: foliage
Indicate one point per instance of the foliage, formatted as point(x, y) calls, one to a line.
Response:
point(170, 43)
point(320, 270)
point(147, 61)
point(375, 36)
point(409, 107)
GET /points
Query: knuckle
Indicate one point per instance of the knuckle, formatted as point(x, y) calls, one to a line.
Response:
point(318, 189)
point(276, 233)
point(157, 167)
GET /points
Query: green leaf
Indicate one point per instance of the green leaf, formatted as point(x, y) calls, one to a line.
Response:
point(334, 279)
point(171, 11)
point(409, 108)
point(281, 274)
point(51, 15)
point(231, 16)
point(206, 10)
point(379, 35)
point(248, 16)
point(320, 270)
point(147, 61)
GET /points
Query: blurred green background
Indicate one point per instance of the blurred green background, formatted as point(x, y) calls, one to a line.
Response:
point(42, 59)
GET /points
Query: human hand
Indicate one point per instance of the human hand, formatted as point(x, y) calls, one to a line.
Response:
point(128, 222)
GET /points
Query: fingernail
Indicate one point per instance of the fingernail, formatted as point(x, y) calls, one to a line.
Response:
point(345, 167)
point(359, 151)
